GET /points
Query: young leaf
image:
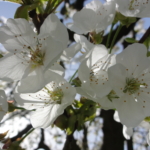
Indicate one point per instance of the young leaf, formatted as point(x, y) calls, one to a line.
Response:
point(131, 40)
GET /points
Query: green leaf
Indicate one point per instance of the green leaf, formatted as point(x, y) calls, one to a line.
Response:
point(131, 40)
point(22, 12)
point(147, 42)
point(15, 1)
point(1, 55)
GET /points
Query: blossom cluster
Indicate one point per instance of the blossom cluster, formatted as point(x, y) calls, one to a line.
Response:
point(113, 81)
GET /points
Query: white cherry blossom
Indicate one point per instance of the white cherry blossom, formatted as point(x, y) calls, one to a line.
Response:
point(31, 54)
point(49, 102)
point(129, 79)
point(94, 17)
point(134, 8)
point(93, 75)
point(3, 104)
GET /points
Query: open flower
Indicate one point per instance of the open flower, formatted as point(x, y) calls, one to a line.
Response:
point(94, 17)
point(93, 75)
point(49, 102)
point(134, 8)
point(3, 104)
point(129, 79)
point(30, 53)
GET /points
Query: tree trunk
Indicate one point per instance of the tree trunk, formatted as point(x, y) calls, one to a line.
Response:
point(113, 137)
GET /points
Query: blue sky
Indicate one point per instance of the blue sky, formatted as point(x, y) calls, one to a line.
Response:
point(8, 9)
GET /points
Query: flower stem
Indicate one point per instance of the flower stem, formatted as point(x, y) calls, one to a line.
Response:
point(26, 135)
point(73, 76)
point(109, 35)
point(115, 36)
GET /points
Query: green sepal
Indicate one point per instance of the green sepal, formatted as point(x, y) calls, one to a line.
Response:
point(124, 20)
point(131, 40)
point(15, 146)
point(22, 11)
point(147, 42)
point(71, 124)
point(61, 122)
point(1, 55)
point(147, 119)
point(76, 82)
point(97, 38)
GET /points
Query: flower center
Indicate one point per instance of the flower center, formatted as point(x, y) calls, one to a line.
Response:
point(131, 5)
point(137, 4)
point(37, 57)
point(132, 85)
point(56, 95)
point(112, 95)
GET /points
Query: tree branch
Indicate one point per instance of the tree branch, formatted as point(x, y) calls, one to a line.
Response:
point(113, 137)
point(20, 134)
point(144, 37)
point(42, 144)
point(85, 131)
point(70, 143)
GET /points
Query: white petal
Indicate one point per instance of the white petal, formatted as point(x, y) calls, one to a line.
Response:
point(117, 77)
point(70, 52)
point(86, 45)
point(144, 98)
point(94, 5)
point(130, 112)
point(139, 8)
point(84, 93)
point(116, 116)
point(69, 93)
point(54, 28)
point(148, 138)
point(2, 114)
point(3, 104)
point(135, 53)
point(53, 51)
point(20, 30)
point(3, 37)
point(44, 117)
point(12, 67)
point(105, 103)
point(106, 17)
point(127, 132)
point(84, 21)
point(84, 71)
point(31, 101)
point(32, 83)
point(98, 52)
point(58, 69)
point(3, 101)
